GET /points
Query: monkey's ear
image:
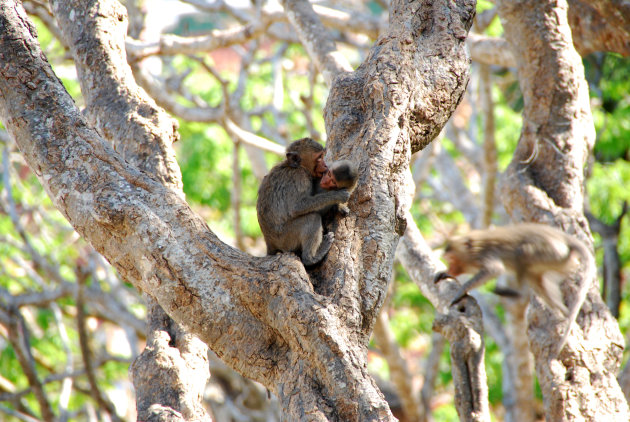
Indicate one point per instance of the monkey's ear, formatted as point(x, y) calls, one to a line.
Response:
point(293, 158)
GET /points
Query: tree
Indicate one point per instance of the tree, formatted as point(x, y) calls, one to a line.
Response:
point(112, 173)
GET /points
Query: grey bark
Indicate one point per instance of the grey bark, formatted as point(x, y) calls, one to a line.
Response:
point(544, 183)
point(260, 315)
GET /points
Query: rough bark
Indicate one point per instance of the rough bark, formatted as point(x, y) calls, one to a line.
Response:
point(260, 315)
point(171, 373)
point(544, 183)
point(624, 381)
point(394, 104)
point(600, 25)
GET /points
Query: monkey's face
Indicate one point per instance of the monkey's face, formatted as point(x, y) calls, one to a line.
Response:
point(319, 168)
point(455, 266)
point(328, 181)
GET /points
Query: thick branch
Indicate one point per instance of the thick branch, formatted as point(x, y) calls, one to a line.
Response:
point(260, 315)
point(490, 51)
point(461, 325)
point(137, 129)
point(315, 39)
point(143, 229)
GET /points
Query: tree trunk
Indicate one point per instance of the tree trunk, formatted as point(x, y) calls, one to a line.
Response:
point(545, 183)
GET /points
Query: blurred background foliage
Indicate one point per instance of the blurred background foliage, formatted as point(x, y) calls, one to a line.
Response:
point(39, 250)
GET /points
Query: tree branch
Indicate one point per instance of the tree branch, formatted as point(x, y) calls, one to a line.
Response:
point(315, 39)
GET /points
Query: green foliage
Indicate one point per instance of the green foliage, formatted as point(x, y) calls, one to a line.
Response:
point(205, 151)
point(204, 154)
point(609, 79)
point(494, 371)
point(508, 123)
point(495, 29)
point(413, 312)
point(607, 190)
point(446, 414)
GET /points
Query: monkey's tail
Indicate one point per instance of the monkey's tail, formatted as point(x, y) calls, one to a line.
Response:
point(586, 280)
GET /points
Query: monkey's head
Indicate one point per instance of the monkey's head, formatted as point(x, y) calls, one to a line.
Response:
point(309, 154)
point(457, 255)
point(342, 174)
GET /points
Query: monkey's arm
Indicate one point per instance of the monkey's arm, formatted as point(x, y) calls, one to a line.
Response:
point(489, 270)
point(317, 203)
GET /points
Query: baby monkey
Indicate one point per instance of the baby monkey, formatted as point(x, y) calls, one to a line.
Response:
point(342, 174)
point(534, 253)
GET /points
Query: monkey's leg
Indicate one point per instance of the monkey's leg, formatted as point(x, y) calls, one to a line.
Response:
point(547, 288)
point(488, 271)
point(324, 247)
point(343, 210)
point(506, 292)
point(314, 244)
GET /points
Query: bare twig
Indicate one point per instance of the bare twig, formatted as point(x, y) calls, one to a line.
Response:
point(18, 336)
point(86, 353)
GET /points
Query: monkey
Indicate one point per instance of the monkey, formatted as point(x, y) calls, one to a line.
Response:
point(533, 252)
point(289, 212)
point(342, 174)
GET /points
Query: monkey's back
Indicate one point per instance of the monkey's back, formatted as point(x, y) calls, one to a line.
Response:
point(528, 247)
point(279, 190)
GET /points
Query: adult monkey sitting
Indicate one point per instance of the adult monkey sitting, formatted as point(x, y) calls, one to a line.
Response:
point(289, 211)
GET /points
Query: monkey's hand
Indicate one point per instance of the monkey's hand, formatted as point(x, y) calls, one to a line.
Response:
point(343, 210)
point(442, 275)
point(345, 195)
point(319, 202)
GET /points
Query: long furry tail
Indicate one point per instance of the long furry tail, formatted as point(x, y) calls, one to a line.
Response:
point(587, 278)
